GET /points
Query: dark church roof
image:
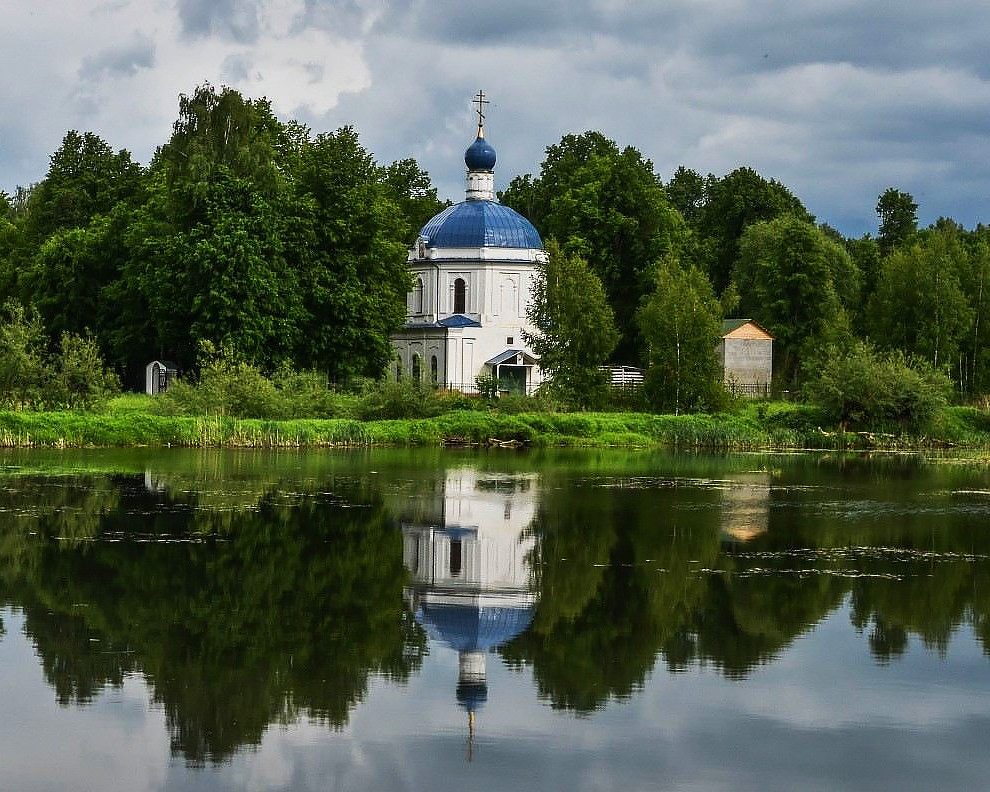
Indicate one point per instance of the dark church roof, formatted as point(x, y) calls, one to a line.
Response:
point(471, 224)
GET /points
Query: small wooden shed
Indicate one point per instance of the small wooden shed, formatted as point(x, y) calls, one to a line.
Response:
point(158, 375)
point(746, 353)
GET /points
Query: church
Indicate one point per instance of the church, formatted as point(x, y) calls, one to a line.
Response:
point(473, 267)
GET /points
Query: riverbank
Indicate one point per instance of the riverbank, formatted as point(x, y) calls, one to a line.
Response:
point(754, 427)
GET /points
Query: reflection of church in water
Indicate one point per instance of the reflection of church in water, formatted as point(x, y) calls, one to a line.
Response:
point(469, 556)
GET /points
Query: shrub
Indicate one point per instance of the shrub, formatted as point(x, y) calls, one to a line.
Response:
point(81, 380)
point(861, 387)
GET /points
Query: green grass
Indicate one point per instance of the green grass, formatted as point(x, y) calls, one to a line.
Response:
point(752, 427)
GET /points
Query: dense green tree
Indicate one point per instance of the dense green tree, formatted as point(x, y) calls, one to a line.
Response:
point(786, 276)
point(898, 215)
point(731, 204)
point(413, 193)
point(352, 270)
point(575, 328)
point(681, 322)
point(687, 192)
point(920, 306)
point(221, 134)
point(974, 369)
point(86, 178)
point(609, 204)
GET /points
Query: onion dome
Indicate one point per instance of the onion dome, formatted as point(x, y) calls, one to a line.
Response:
point(480, 155)
point(473, 224)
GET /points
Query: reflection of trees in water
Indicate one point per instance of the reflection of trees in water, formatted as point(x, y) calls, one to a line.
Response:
point(286, 616)
point(271, 606)
point(630, 576)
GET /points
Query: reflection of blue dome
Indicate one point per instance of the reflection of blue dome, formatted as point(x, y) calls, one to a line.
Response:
point(480, 156)
point(480, 224)
point(471, 695)
point(467, 628)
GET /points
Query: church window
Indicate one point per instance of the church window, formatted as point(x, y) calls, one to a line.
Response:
point(417, 297)
point(434, 374)
point(417, 368)
point(398, 367)
point(460, 296)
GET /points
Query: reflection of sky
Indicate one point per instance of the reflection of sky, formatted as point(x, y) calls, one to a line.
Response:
point(823, 716)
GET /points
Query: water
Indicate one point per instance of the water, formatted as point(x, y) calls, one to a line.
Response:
point(569, 620)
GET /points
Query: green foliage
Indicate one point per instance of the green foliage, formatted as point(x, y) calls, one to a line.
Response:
point(575, 327)
point(787, 274)
point(860, 387)
point(608, 205)
point(919, 306)
point(412, 192)
point(733, 203)
point(229, 385)
point(75, 377)
point(682, 322)
point(81, 379)
point(487, 387)
point(86, 178)
point(24, 374)
point(898, 215)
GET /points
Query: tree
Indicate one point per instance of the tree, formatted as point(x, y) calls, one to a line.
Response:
point(786, 276)
point(859, 386)
point(681, 322)
point(24, 375)
point(609, 204)
point(86, 178)
point(733, 203)
point(352, 265)
point(411, 190)
point(575, 329)
point(919, 305)
point(898, 215)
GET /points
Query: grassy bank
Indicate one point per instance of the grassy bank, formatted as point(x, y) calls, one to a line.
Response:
point(755, 426)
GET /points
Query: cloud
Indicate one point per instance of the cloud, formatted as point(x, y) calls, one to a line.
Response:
point(235, 20)
point(123, 61)
point(838, 101)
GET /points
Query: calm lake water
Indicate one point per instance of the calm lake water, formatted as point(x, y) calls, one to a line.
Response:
point(403, 620)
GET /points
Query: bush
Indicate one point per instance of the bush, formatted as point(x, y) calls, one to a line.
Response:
point(81, 380)
point(74, 377)
point(861, 387)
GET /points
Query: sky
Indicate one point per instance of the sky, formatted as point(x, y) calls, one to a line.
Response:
point(836, 99)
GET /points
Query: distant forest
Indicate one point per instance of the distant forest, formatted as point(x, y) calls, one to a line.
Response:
point(252, 232)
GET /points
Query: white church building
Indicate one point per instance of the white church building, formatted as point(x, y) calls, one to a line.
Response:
point(473, 267)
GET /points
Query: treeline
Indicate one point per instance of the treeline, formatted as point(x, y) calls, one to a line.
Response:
point(675, 258)
point(244, 230)
point(252, 233)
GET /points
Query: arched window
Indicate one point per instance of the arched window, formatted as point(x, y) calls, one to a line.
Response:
point(460, 296)
point(417, 297)
point(434, 374)
point(398, 366)
point(417, 371)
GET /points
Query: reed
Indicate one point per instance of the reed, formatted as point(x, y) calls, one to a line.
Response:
point(754, 427)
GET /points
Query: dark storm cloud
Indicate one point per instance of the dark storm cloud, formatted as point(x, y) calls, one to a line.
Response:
point(235, 20)
point(124, 61)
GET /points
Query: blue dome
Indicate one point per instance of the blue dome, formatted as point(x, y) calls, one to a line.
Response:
point(466, 628)
point(480, 155)
point(480, 224)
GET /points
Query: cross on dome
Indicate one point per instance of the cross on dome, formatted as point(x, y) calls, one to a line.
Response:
point(481, 102)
